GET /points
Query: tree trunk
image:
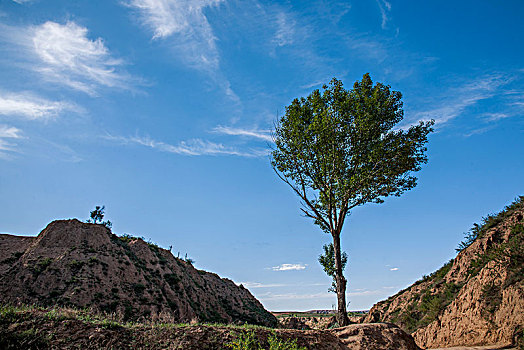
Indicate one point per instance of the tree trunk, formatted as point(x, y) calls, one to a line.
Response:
point(342, 315)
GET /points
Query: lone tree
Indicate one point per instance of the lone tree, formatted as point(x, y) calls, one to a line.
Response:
point(97, 215)
point(338, 149)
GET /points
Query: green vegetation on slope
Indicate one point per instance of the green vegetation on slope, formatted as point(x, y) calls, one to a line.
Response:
point(33, 327)
point(425, 306)
point(488, 222)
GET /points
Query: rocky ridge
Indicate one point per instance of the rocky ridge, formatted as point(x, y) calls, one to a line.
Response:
point(71, 263)
point(477, 298)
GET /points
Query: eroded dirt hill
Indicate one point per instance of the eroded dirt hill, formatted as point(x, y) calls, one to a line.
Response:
point(72, 263)
point(59, 328)
point(477, 298)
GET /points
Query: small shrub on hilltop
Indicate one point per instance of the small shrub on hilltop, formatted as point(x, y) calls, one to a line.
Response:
point(97, 215)
point(488, 222)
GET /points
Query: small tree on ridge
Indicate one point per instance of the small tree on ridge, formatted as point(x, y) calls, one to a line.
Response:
point(97, 215)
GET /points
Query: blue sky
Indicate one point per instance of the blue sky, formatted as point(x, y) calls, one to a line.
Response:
point(161, 111)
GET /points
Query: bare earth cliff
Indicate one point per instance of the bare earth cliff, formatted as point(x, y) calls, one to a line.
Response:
point(476, 298)
point(77, 264)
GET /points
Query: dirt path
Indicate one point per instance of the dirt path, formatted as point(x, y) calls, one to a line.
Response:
point(489, 347)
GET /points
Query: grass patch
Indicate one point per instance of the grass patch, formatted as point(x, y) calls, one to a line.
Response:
point(25, 339)
point(75, 264)
point(249, 341)
point(42, 264)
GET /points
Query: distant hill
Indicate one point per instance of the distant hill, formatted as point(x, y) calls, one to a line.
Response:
point(71, 263)
point(477, 298)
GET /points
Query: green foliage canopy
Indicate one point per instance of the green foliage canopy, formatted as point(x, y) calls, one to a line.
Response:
point(339, 149)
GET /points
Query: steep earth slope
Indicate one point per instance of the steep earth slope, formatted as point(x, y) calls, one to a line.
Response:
point(72, 263)
point(476, 298)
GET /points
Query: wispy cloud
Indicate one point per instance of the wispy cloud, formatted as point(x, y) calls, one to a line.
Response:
point(194, 147)
point(322, 295)
point(28, 106)
point(64, 54)
point(279, 285)
point(294, 296)
point(255, 133)
point(495, 116)
point(314, 84)
point(385, 7)
point(289, 267)
point(393, 269)
point(362, 292)
point(185, 22)
point(8, 132)
point(186, 26)
point(479, 131)
point(262, 285)
point(285, 29)
point(457, 100)
point(68, 56)
point(367, 47)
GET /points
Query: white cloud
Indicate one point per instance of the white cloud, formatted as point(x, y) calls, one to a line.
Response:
point(185, 21)
point(21, 1)
point(249, 285)
point(288, 267)
point(314, 84)
point(479, 131)
point(368, 47)
point(256, 133)
point(385, 7)
point(295, 296)
point(279, 285)
point(323, 295)
point(8, 132)
point(495, 116)
point(457, 100)
point(31, 107)
point(67, 56)
point(393, 269)
point(362, 292)
point(194, 147)
point(285, 30)
point(63, 54)
point(186, 26)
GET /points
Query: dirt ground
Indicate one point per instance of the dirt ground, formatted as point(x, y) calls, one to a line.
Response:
point(490, 347)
